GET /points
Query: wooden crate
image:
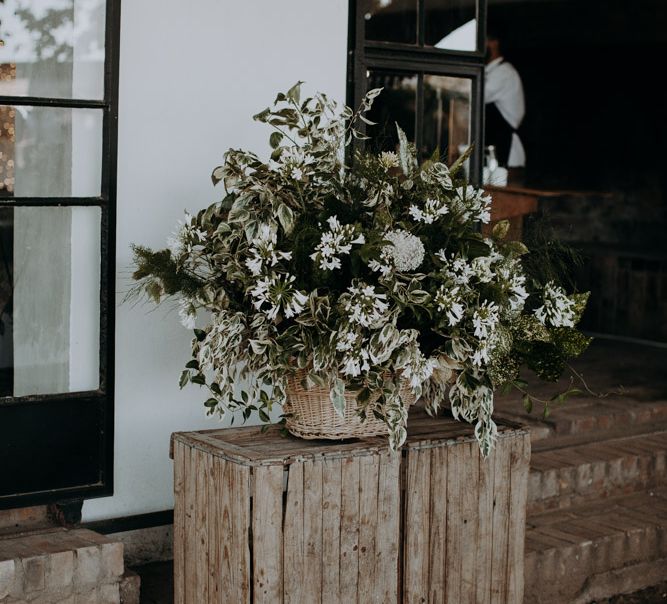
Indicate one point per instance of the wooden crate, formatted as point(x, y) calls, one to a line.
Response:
point(263, 518)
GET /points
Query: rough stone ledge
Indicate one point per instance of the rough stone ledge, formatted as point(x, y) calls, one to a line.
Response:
point(60, 566)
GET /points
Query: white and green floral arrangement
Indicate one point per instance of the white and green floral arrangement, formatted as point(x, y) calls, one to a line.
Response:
point(365, 273)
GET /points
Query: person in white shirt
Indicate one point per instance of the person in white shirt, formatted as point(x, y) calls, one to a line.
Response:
point(505, 107)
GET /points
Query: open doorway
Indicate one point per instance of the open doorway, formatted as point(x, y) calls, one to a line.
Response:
point(594, 131)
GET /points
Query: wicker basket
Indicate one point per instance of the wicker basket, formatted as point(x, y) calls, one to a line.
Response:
point(311, 414)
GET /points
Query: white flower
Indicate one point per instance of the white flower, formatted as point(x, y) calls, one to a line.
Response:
point(485, 320)
point(346, 341)
point(185, 237)
point(354, 363)
point(277, 291)
point(380, 267)
point(481, 356)
point(433, 209)
point(483, 266)
point(389, 159)
point(472, 204)
point(187, 313)
point(406, 250)
point(418, 369)
point(335, 242)
point(263, 252)
point(448, 300)
point(364, 306)
point(457, 268)
point(557, 309)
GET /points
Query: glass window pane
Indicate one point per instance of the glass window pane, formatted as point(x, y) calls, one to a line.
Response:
point(52, 48)
point(447, 116)
point(451, 24)
point(390, 20)
point(50, 152)
point(396, 104)
point(49, 300)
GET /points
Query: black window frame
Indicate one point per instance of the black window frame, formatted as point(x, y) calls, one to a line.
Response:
point(54, 417)
point(364, 55)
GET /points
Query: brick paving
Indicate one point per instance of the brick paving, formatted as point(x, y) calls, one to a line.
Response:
point(597, 502)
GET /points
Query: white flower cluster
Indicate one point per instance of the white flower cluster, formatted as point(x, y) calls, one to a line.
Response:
point(485, 320)
point(404, 253)
point(450, 301)
point(388, 160)
point(514, 281)
point(186, 237)
point(432, 210)
point(418, 369)
point(187, 313)
point(293, 162)
point(472, 204)
point(263, 253)
point(335, 242)
point(365, 307)
point(557, 309)
point(276, 292)
point(456, 268)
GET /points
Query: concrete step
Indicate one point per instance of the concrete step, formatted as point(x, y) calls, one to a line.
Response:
point(583, 416)
point(571, 475)
point(597, 550)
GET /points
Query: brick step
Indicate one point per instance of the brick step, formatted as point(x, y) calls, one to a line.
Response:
point(594, 551)
point(572, 475)
point(583, 416)
point(59, 565)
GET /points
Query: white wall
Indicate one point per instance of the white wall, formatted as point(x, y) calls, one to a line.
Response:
point(191, 76)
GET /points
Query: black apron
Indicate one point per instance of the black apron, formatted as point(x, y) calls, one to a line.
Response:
point(497, 132)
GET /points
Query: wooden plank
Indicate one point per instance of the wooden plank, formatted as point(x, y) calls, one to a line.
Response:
point(249, 446)
point(215, 533)
point(416, 527)
point(312, 531)
point(331, 522)
point(222, 549)
point(201, 525)
point(180, 453)
point(456, 483)
point(349, 530)
point(501, 507)
point(369, 470)
point(190, 575)
point(519, 469)
point(267, 535)
point(293, 545)
point(485, 529)
point(437, 550)
point(469, 529)
point(239, 492)
point(388, 528)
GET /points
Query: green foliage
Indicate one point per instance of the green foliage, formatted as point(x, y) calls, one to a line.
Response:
point(367, 276)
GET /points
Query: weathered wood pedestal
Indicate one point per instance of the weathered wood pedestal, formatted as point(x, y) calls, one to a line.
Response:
point(263, 518)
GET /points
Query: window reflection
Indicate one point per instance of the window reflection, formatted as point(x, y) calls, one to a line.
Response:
point(396, 104)
point(390, 20)
point(447, 116)
point(49, 300)
point(451, 24)
point(54, 47)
